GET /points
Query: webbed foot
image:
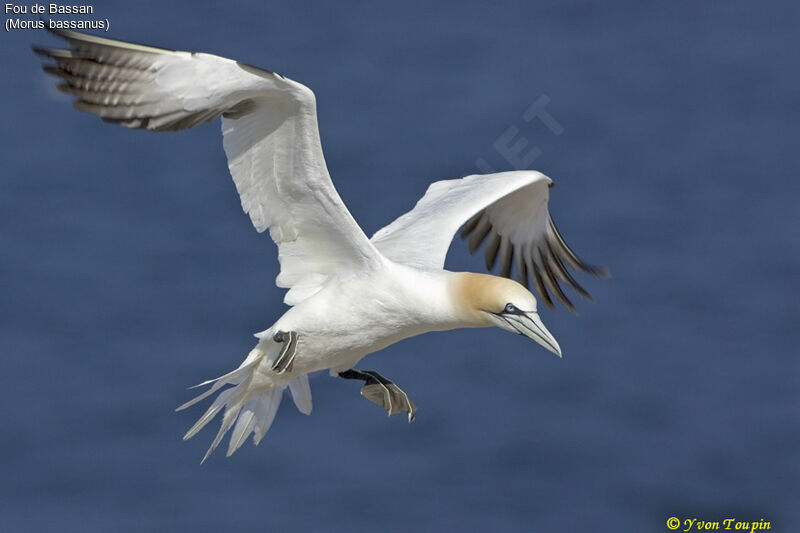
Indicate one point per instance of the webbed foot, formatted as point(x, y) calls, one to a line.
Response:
point(382, 392)
point(284, 360)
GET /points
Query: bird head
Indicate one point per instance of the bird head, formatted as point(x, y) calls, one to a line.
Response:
point(502, 302)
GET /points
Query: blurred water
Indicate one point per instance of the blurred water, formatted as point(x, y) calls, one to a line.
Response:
point(129, 273)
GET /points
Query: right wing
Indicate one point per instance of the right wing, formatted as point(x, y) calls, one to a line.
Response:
point(510, 208)
point(270, 136)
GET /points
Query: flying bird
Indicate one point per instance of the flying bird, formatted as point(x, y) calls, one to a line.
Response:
point(348, 295)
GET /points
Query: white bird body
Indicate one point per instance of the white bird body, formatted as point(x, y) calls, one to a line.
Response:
point(352, 317)
point(349, 296)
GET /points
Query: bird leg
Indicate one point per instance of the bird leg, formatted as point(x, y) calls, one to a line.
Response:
point(284, 361)
point(382, 392)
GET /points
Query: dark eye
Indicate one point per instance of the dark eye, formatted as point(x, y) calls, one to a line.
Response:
point(510, 308)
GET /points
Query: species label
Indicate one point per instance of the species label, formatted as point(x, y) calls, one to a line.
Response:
point(32, 17)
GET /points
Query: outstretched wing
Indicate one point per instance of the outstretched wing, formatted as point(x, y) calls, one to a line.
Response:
point(507, 210)
point(270, 135)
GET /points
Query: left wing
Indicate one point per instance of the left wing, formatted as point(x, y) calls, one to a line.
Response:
point(270, 136)
point(510, 208)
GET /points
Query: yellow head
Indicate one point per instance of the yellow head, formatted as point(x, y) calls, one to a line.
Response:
point(486, 300)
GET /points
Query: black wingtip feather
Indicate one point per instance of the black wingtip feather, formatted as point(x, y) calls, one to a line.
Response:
point(564, 274)
point(490, 252)
point(470, 225)
point(507, 252)
point(597, 271)
point(522, 273)
point(552, 283)
point(541, 289)
point(481, 231)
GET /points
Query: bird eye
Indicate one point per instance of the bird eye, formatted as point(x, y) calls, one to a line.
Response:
point(510, 308)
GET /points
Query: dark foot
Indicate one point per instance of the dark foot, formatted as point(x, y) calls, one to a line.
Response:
point(382, 392)
point(284, 360)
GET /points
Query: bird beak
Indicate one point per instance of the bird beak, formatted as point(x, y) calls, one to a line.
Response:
point(530, 325)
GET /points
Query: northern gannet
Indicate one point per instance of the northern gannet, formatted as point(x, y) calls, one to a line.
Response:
point(348, 295)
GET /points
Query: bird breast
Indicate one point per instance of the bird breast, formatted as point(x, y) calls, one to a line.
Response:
point(360, 314)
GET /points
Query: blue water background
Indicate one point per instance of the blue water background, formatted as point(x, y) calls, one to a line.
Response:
point(128, 272)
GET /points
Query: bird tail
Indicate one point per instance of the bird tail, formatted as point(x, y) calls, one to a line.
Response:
point(252, 400)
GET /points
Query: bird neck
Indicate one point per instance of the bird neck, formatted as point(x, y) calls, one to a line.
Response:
point(444, 300)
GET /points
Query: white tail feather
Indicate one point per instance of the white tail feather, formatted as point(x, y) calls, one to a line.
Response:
point(301, 394)
point(253, 400)
point(233, 377)
point(267, 407)
point(244, 425)
point(212, 411)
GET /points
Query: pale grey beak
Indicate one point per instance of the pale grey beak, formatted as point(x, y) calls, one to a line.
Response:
point(530, 325)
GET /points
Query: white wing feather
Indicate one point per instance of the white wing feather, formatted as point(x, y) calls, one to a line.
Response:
point(270, 136)
point(510, 208)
